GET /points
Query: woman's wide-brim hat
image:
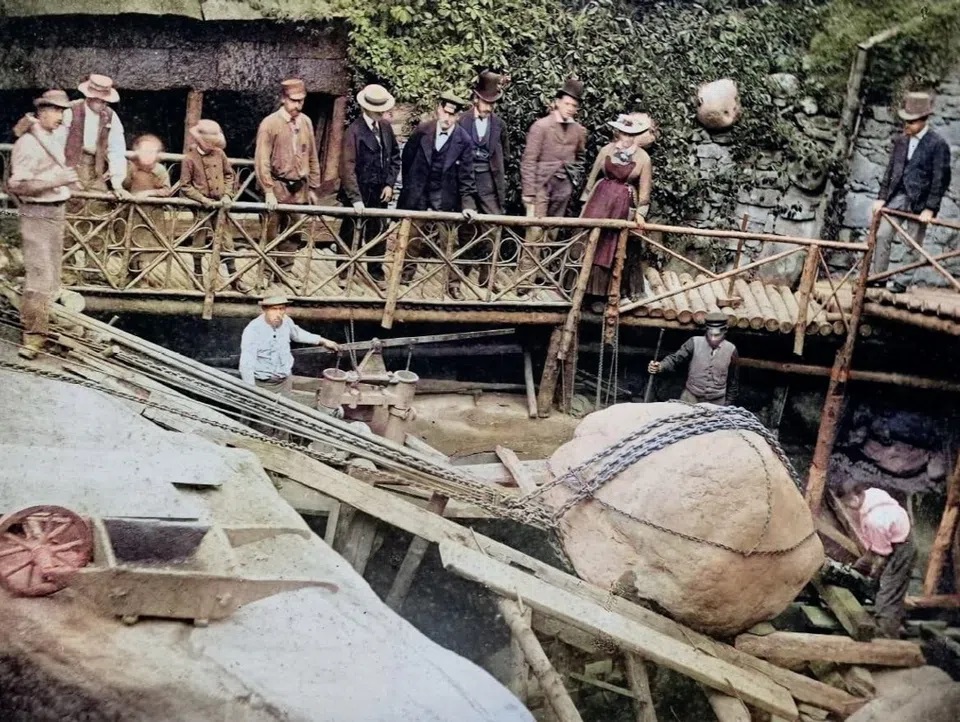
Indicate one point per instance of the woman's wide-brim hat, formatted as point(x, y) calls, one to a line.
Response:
point(634, 124)
point(208, 134)
point(916, 106)
point(52, 98)
point(99, 86)
point(376, 99)
point(489, 86)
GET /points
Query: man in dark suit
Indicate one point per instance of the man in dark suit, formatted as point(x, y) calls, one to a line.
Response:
point(438, 175)
point(490, 150)
point(369, 165)
point(915, 180)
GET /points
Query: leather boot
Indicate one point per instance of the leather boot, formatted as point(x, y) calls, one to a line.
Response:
point(32, 345)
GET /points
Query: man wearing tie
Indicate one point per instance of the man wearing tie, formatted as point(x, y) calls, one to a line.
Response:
point(438, 176)
point(369, 165)
point(915, 180)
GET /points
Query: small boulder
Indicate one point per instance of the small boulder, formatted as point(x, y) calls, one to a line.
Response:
point(718, 104)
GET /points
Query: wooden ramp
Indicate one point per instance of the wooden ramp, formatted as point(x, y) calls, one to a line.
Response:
point(935, 309)
point(761, 306)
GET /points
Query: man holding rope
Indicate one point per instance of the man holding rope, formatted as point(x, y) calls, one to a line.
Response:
point(41, 182)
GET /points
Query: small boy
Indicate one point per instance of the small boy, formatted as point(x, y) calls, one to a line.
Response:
point(146, 178)
point(207, 177)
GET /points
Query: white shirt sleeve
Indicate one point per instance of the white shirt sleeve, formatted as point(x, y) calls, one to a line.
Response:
point(248, 354)
point(116, 153)
point(300, 336)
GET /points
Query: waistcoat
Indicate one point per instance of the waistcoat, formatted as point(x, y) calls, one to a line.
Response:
point(707, 376)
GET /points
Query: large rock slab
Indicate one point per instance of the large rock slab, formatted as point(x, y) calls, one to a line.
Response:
point(663, 529)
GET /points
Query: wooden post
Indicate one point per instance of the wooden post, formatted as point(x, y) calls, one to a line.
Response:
point(807, 279)
point(640, 686)
point(944, 538)
point(550, 682)
point(193, 115)
point(412, 560)
point(331, 153)
point(744, 222)
point(395, 266)
point(839, 376)
point(558, 352)
point(530, 386)
point(548, 379)
point(569, 371)
point(519, 669)
point(612, 311)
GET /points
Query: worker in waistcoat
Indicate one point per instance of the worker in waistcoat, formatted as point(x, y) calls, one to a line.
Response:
point(490, 151)
point(41, 181)
point(712, 365)
point(94, 143)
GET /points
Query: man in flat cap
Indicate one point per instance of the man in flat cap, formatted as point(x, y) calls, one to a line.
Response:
point(438, 174)
point(369, 166)
point(95, 145)
point(916, 178)
point(287, 165)
point(40, 180)
point(265, 356)
point(712, 365)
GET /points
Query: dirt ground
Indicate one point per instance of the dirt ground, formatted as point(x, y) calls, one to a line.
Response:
point(463, 424)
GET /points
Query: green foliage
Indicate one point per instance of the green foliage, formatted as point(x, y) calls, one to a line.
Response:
point(926, 47)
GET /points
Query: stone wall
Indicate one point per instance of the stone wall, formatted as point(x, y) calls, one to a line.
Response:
point(157, 53)
point(871, 152)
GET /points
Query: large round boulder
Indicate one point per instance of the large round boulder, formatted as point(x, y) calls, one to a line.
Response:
point(718, 104)
point(710, 527)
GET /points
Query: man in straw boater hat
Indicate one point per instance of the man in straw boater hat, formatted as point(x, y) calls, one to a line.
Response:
point(95, 145)
point(369, 166)
point(490, 151)
point(207, 177)
point(265, 356)
point(40, 180)
point(915, 180)
point(437, 165)
point(712, 376)
point(287, 165)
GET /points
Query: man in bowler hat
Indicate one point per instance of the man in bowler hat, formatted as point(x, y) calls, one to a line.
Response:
point(437, 163)
point(369, 165)
point(711, 361)
point(916, 178)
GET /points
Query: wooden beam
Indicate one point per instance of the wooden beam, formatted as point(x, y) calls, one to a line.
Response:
point(403, 515)
point(412, 560)
point(193, 115)
point(639, 680)
point(944, 538)
point(727, 708)
point(829, 531)
point(529, 385)
point(934, 601)
point(845, 607)
point(511, 463)
point(794, 648)
point(630, 635)
point(519, 669)
point(551, 684)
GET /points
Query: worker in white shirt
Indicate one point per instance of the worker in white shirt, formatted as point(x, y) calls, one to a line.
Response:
point(265, 357)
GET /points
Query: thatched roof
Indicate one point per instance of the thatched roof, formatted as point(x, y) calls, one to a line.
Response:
point(196, 9)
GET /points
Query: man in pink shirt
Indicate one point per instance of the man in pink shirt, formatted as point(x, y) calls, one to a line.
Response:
point(884, 530)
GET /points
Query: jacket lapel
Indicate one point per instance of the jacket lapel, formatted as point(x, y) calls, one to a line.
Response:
point(494, 132)
point(367, 137)
point(428, 139)
point(458, 137)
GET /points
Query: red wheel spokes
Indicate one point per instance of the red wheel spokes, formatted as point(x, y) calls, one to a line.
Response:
point(40, 548)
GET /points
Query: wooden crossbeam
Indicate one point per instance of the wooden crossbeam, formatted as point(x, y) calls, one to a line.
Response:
point(790, 649)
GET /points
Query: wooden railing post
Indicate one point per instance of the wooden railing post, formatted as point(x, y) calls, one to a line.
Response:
point(612, 311)
point(396, 252)
point(807, 279)
point(944, 538)
point(839, 375)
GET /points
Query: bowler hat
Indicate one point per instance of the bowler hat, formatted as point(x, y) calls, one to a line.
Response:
point(52, 98)
point(634, 124)
point(448, 96)
point(294, 88)
point(489, 86)
point(715, 319)
point(274, 301)
point(376, 99)
point(571, 87)
point(99, 86)
point(208, 134)
point(916, 106)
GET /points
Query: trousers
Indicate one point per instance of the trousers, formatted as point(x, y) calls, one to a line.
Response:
point(886, 234)
point(894, 582)
point(41, 229)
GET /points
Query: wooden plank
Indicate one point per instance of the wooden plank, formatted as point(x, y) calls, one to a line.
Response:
point(639, 680)
point(412, 560)
point(630, 635)
point(791, 648)
point(403, 515)
point(819, 618)
point(551, 684)
point(512, 464)
point(727, 708)
point(827, 529)
point(848, 611)
point(934, 601)
point(519, 669)
point(529, 385)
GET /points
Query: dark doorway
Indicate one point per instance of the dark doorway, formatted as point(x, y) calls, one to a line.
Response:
point(160, 112)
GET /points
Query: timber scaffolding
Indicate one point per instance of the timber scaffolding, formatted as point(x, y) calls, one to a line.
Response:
point(541, 604)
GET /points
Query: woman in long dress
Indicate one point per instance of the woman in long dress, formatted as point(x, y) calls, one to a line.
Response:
point(618, 187)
